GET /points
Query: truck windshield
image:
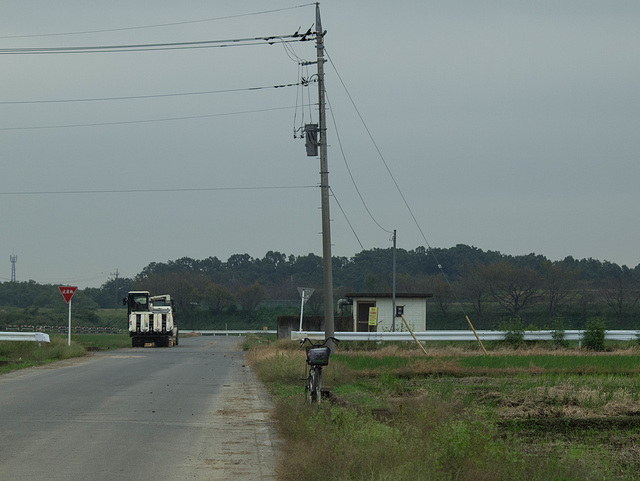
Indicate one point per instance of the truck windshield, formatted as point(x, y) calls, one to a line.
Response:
point(140, 303)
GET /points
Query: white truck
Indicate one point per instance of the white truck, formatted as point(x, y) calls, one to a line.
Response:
point(151, 319)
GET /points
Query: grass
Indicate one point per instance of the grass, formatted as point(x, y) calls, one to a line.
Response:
point(22, 354)
point(102, 342)
point(396, 414)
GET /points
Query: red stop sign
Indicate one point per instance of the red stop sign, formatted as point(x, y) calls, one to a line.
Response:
point(67, 292)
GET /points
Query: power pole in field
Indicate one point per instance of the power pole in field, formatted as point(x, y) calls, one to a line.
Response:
point(316, 143)
point(116, 276)
point(327, 265)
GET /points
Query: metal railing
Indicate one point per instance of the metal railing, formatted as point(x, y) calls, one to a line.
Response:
point(462, 335)
point(24, 336)
point(62, 329)
point(227, 332)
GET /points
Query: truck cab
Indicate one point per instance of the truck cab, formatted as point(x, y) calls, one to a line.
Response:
point(137, 301)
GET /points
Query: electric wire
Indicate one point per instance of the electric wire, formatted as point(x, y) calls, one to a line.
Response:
point(309, 103)
point(144, 121)
point(271, 39)
point(171, 24)
point(346, 218)
point(435, 257)
point(138, 191)
point(156, 96)
point(353, 181)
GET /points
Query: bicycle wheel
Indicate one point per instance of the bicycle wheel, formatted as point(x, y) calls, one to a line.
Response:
point(310, 387)
point(318, 384)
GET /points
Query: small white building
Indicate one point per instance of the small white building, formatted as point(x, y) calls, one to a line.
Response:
point(413, 307)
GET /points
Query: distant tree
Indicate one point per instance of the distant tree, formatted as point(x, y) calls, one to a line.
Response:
point(442, 293)
point(475, 288)
point(250, 297)
point(218, 297)
point(316, 302)
point(185, 289)
point(213, 268)
point(620, 293)
point(559, 282)
point(415, 284)
point(370, 282)
point(584, 300)
point(307, 270)
point(240, 269)
point(513, 288)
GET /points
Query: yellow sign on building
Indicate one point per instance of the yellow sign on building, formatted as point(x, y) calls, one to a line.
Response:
point(373, 316)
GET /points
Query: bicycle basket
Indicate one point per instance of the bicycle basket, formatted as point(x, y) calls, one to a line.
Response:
point(318, 356)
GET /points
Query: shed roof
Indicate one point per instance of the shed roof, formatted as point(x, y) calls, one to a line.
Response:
point(419, 295)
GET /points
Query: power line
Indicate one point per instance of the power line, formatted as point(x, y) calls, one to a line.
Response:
point(171, 24)
point(375, 145)
point(144, 121)
point(353, 181)
point(238, 42)
point(346, 218)
point(433, 254)
point(138, 191)
point(138, 97)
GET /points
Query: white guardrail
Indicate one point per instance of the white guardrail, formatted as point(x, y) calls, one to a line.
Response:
point(24, 336)
point(463, 335)
point(227, 332)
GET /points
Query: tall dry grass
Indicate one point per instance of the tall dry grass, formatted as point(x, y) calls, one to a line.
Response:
point(429, 420)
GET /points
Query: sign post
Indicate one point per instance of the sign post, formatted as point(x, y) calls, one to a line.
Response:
point(68, 292)
point(305, 294)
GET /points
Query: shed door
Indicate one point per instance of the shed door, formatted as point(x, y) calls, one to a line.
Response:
point(363, 317)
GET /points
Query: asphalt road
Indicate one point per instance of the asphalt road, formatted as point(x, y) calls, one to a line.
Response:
point(194, 411)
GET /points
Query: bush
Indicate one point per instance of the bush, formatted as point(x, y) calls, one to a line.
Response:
point(513, 332)
point(593, 336)
point(558, 332)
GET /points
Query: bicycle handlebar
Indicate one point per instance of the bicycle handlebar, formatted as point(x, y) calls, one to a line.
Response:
point(320, 344)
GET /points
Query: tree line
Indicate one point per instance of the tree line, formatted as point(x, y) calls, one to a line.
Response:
point(490, 287)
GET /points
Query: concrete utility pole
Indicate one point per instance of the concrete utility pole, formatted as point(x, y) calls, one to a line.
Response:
point(393, 293)
point(116, 274)
point(329, 329)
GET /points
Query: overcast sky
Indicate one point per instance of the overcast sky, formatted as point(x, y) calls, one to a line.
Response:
point(507, 125)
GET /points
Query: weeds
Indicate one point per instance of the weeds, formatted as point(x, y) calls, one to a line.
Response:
point(513, 332)
point(558, 333)
point(22, 354)
point(458, 416)
point(18, 355)
point(594, 332)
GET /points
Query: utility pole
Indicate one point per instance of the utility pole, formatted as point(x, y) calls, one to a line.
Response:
point(116, 274)
point(14, 259)
point(393, 295)
point(329, 329)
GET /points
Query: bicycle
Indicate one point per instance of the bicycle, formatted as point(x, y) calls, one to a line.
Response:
point(317, 357)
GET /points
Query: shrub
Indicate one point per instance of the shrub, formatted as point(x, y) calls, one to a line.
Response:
point(513, 332)
point(593, 336)
point(558, 332)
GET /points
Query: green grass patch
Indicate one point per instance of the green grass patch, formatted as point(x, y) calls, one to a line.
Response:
point(22, 354)
point(101, 342)
point(554, 363)
point(364, 362)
